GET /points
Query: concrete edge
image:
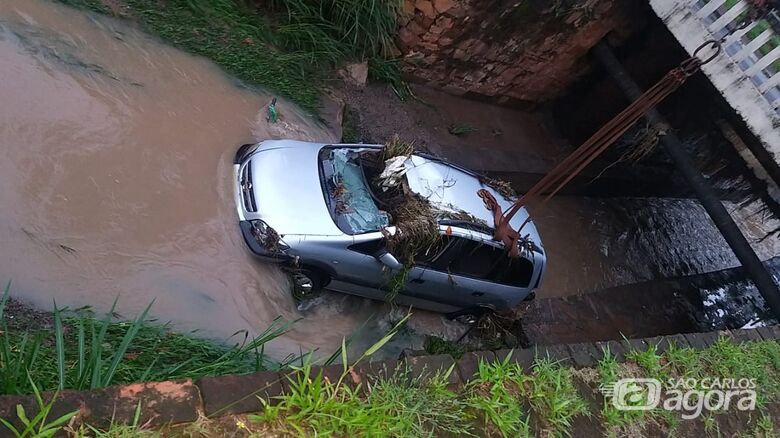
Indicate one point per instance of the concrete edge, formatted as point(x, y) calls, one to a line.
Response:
point(182, 401)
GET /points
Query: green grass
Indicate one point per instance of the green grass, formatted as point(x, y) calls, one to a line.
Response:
point(287, 46)
point(725, 359)
point(400, 405)
point(437, 345)
point(502, 400)
point(650, 361)
point(388, 70)
point(461, 129)
point(765, 425)
point(609, 372)
point(757, 361)
point(39, 425)
point(238, 40)
point(352, 131)
point(553, 398)
point(684, 362)
point(349, 28)
point(87, 352)
point(405, 405)
point(495, 396)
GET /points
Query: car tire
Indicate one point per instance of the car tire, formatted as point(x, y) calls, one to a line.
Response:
point(469, 316)
point(307, 283)
point(467, 319)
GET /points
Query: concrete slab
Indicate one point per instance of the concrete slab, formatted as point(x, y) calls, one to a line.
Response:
point(524, 357)
point(468, 364)
point(678, 341)
point(426, 367)
point(168, 402)
point(746, 335)
point(237, 394)
point(557, 353)
point(615, 348)
point(584, 354)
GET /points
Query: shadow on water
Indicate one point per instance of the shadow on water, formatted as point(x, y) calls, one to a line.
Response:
point(697, 303)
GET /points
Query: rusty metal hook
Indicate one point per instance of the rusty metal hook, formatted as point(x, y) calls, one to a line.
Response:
point(715, 45)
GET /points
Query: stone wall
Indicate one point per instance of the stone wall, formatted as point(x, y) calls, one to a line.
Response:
point(522, 50)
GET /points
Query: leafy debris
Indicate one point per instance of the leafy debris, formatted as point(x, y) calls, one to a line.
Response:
point(504, 188)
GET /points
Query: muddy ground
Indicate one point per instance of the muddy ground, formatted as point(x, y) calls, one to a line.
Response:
point(22, 316)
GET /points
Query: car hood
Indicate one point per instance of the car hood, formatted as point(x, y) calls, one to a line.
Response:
point(452, 189)
point(287, 189)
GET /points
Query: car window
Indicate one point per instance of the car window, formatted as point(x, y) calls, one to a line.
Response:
point(474, 259)
point(514, 271)
point(369, 247)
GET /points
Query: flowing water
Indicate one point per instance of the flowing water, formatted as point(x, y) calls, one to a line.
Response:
point(115, 169)
point(115, 159)
point(598, 243)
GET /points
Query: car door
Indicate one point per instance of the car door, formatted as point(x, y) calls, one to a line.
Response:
point(423, 287)
point(361, 273)
point(471, 272)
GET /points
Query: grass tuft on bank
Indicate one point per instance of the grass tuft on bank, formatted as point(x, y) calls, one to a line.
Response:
point(400, 405)
point(287, 46)
point(85, 351)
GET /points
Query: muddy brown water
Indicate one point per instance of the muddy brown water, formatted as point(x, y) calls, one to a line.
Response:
point(115, 162)
point(115, 159)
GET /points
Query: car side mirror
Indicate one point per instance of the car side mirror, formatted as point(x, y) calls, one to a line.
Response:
point(388, 259)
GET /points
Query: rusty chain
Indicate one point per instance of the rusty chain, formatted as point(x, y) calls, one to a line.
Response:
point(571, 166)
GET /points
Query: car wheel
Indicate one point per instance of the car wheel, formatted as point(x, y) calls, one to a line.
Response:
point(467, 318)
point(306, 284)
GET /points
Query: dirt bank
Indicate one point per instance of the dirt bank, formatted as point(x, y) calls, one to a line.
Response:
point(22, 316)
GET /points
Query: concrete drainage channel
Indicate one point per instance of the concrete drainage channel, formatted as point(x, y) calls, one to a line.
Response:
point(184, 401)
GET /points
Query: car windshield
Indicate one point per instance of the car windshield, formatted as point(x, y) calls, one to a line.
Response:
point(347, 193)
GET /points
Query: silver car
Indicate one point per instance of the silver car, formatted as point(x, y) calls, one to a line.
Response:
point(284, 193)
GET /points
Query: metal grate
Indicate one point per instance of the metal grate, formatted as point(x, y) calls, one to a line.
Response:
point(247, 194)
